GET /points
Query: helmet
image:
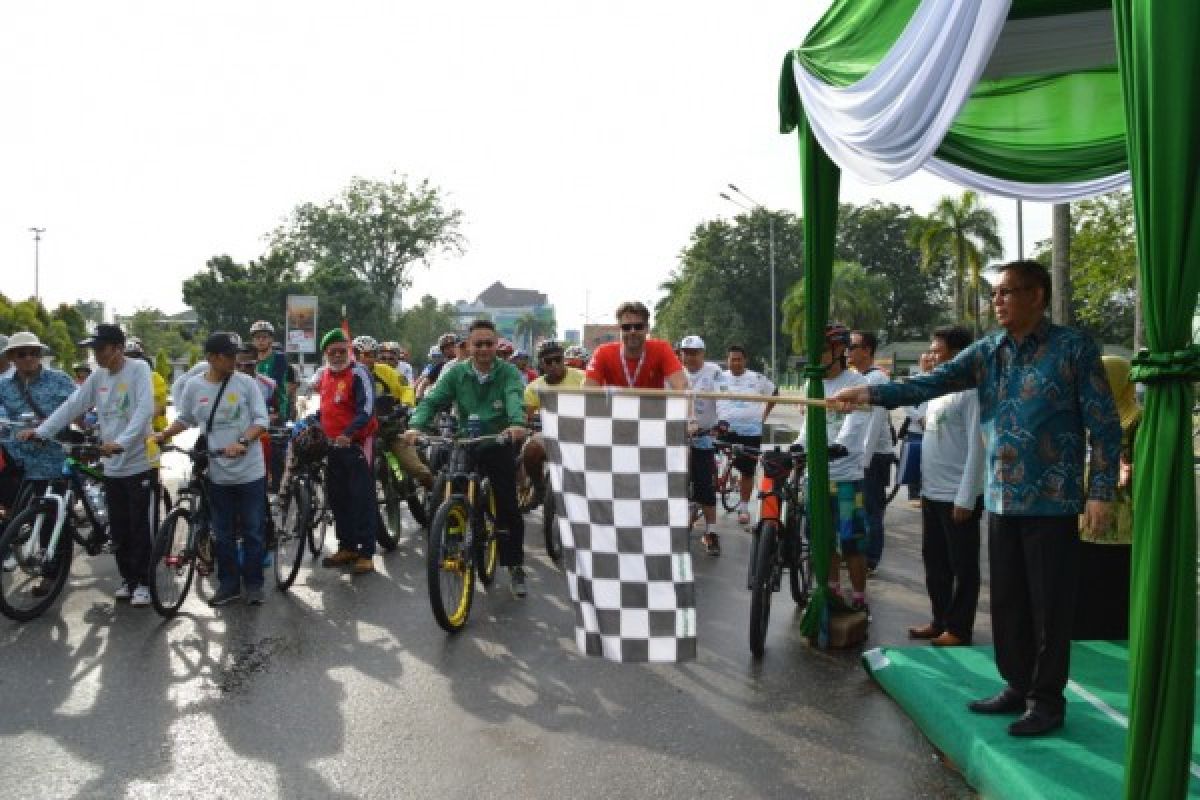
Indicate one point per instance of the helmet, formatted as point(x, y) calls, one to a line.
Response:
point(576, 351)
point(520, 354)
point(692, 342)
point(837, 333)
point(310, 444)
point(262, 326)
point(447, 339)
point(549, 347)
point(504, 346)
point(366, 344)
point(434, 352)
point(392, 346)
point(134, 346)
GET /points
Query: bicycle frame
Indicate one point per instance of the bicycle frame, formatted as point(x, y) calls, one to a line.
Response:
point(60, 494)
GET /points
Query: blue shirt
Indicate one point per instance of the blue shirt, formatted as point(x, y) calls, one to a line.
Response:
point(41, 460)
point(1036, 398)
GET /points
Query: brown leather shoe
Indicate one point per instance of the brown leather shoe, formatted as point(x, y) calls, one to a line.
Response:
point(364, 565)
point(924, 632)
point(948, 639)
point(340, 559)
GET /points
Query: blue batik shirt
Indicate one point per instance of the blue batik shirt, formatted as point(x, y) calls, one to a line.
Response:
point(1036, 398)
point(40, 460)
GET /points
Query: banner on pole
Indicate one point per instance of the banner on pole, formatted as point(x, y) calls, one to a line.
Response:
point(619, 475)
point(301, 323)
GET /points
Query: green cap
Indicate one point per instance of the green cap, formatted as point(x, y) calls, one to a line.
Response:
point(335, 335)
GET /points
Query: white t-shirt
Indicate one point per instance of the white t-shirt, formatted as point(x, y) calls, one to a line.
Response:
point(848, 430)
point(240, 407)
point(744, 416)
point(405, 369)
point(879, 432)
point(705, 379)
point(952, 450)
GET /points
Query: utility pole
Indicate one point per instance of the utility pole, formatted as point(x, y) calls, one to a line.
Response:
point(1060, 265)
point(757, 206)
point(37, 242)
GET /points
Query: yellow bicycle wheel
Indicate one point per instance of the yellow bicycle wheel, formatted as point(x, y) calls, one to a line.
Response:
point(448, 569)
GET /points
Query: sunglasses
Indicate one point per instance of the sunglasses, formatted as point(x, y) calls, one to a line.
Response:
point(30, 353)
point(630, 327)
point(552, 359)
point(484, 343)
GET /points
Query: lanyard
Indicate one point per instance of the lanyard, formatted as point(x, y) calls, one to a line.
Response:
point(630, 381)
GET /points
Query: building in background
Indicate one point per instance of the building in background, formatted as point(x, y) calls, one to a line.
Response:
point(571, 336)
point(596, 335)
point(523, 315)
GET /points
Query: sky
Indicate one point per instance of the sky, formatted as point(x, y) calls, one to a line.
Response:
point(582, 142)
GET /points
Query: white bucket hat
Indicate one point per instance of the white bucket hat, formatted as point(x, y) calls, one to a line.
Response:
point(23, 339)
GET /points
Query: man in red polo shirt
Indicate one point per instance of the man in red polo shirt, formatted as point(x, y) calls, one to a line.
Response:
point(635, 361)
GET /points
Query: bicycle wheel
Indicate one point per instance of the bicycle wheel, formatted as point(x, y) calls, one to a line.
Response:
point(415, 497)
point(319, 518)
point(29, 581)
point(388, 533)
point(448, 567)
point(727, 483)
point(290, 535)
point(550, 527)
point(760, 584)
point(800, 574)
point(172, 563)
point(486, 547)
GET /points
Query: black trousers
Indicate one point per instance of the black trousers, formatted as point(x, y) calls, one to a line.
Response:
point(950, 552)
point(131, 509)
point(1102, 607)
point(1034, 571)
point(351, 491)
point(499, 464)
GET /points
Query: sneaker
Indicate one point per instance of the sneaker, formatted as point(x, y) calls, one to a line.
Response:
point(712, 544)
point(517, 581)
point(254, 597)
point(224, 597)
point(341, 558)
point(141, 596)
point(363, 565)
point(123, 592)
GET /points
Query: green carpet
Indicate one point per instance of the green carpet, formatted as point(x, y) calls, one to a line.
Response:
point(1085, 759)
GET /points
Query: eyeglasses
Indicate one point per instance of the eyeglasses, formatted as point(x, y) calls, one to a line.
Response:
point(630, 327)
point(29, 353)
point(552, 360)
point(1007, 291)
point(484, 344)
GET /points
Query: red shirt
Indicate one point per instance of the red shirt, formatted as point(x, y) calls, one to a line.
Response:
point(657, 362)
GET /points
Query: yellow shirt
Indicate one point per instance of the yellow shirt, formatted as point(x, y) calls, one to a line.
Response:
point(573, 379)
point(394, 384)
point(159, 423)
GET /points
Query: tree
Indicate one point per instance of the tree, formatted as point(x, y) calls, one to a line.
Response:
point(532, 327)
point(55, 330)
point(228, 296)
point(961, 233)
point(1060, 265)
point(162, 365)
point(91, 310)
point(855, 300)
point(157, 338)
point(375, 230)
point(421, 325)
point(877, 236)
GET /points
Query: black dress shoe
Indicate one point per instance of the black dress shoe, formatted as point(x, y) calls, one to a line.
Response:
point(1035, 723)
point(1007, 702)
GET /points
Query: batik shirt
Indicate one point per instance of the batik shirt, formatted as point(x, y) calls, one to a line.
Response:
point(1036, 399)
point(42, 461)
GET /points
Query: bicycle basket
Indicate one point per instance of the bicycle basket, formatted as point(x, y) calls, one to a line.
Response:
point(776, 465)
point(310, 445)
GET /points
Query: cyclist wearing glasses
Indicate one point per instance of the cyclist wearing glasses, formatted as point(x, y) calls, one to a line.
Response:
point(557, 373)
point(637, 360)
point(486, 390)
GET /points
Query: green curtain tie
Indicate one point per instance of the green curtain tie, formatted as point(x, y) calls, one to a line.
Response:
point(790, 111)
point(1179, 365)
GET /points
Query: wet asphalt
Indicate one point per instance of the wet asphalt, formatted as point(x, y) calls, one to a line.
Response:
point(345, 687)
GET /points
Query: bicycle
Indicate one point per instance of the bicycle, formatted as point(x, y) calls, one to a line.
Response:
point(727, 482)
point(529, 497)
point(462, 535)
point(781, 540)
point(437, 456)
point(36, 548)
point(395, 488)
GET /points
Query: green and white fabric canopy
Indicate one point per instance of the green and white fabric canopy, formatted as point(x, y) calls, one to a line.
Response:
point(1049, 100)
point(979, 93)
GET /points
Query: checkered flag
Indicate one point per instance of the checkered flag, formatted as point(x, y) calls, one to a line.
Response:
point(618, 469)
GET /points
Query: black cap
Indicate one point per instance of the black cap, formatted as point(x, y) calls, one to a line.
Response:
point(221, 344)
point(105, 334)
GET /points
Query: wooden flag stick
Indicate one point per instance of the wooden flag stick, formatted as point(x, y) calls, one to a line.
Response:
point(780, 400)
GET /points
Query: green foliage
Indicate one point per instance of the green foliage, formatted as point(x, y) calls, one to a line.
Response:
point(158, 337)
point(532, 327)
point(855, 300)
point(721, 288)
point(960, 235)
point(877, 237)
point(162, 365)
point(1103, 266)
point(228, 296)
point(375, 231)
point(91, 310)
point(421, 325)
point(58, 330)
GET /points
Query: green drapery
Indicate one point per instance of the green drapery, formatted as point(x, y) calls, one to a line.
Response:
point(1160, 61)
point(820, 181)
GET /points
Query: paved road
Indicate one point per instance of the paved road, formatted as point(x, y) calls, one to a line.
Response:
point(346, 688)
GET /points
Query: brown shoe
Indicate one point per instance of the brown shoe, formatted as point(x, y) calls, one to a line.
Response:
point(364, 565)
point(948, 639)
point(924, 632)
point(340, 559)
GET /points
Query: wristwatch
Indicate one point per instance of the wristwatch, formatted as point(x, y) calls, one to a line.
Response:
point(243, 441)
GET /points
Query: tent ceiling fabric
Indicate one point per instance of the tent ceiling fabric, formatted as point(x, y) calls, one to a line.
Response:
point(977, 93)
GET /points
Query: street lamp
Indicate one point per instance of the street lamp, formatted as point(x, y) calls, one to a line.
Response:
point(37, 241)
point(755, 205)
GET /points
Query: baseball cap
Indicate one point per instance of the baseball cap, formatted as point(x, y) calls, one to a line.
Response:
point(221, 344)
point(104, 334)
point(692, 342)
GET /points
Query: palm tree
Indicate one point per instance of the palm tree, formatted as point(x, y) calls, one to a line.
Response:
point(854, 300)
point(532, 326)
point(963, 233)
